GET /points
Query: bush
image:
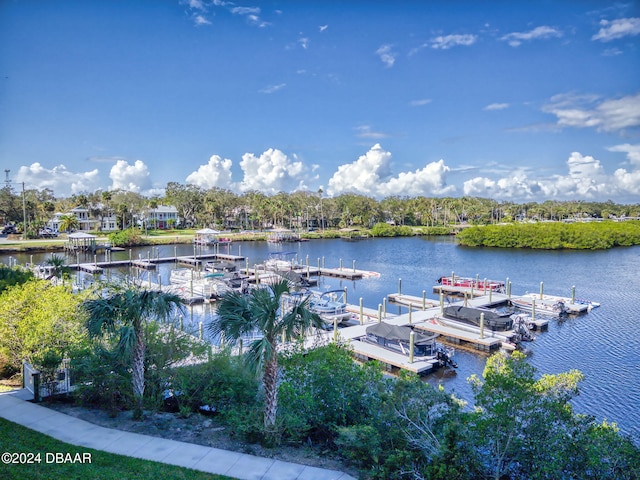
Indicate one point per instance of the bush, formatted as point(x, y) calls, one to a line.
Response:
point(361, 444)
point(223, 383)
point(126, 238)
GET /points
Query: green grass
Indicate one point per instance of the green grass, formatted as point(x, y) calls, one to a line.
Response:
point(15, 438)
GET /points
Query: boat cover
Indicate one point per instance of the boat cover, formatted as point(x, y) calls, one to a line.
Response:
point(398, 333)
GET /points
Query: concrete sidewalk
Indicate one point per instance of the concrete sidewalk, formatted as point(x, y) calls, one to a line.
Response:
point(213, 460)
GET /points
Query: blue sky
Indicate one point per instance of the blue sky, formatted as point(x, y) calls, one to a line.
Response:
point(521, 101)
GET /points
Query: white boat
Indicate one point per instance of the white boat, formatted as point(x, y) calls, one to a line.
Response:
point(330, 306)
point(530, 303)
point(279, 261)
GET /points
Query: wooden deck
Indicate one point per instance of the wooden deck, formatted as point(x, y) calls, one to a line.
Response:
point(421, 303)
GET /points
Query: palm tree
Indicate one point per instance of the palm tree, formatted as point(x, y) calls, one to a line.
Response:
point(260, 310)
point(68, 223)
point(122, 313)
point(59, 264)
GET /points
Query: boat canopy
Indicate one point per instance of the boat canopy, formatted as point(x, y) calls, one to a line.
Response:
point(399, 333)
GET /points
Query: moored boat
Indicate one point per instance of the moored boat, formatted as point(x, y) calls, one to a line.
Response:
point(554, 308)
point(493, 320)
point(397, 338)
point(475, 283)
point(330, 306)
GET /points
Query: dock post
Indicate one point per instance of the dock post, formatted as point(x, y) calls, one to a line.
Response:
point(354, 266)
point(255, 274)
point(465, 299)
point(482, 325)
point(399, 286)
point(335, 330)
point(410, 313)
point(379, 313)
point(129, 255)
point(412, 342)
point(318, 264)
point(509, 289)
point(533, 310)
point(384, 307)
point(239, 250)
point(490, 294)
point(484, 286)
point(345, 295)
point(95, 261)
point(200, 330)
point(541, 289)
point(441, 302)
point(307, 261)
point(246, 265)
point(424, 299)
point(340, 264)
point(573, 294)
point(160, 281)
point(361, 311)
point(506, 286)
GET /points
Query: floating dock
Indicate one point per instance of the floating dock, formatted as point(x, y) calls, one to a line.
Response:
point(421, 303)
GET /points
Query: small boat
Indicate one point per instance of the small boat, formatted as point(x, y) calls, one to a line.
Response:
point(208, 236)
point(475, 283)
point(397, 338)
point(495, 321)
point(219, 266)
point(279, 261)
point(556, 308)
point(330, 306)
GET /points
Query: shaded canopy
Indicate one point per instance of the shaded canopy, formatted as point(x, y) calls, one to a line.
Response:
point(398, 333)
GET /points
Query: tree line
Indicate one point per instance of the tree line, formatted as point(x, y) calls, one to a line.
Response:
point(254, 210)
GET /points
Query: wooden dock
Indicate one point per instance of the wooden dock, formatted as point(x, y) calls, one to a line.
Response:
point(421, 303)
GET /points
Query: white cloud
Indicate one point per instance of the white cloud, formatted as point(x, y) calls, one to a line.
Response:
point(216, 173)
point(613, 30)
point(245, 10)
point(585, 179)
point(59, 179)
point(387, 56)
point(371, 174)
point(496, 106)
point(588, 111)
point(272, 172)
point(365, 131)
point(133, 178)
point(304, 42)
point(543, 32)
point(448, 41)
point(632, 151)
point(322, 28)
point(272, 88)
point(200, 20)
point(420, 103)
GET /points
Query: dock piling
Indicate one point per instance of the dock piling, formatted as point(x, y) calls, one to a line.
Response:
point(482, 325)
point(541, 289)
point(424, 299)
point(412, 340)
point(379, 313)
point(399, 286)
point(361, 311)
point(573, 294)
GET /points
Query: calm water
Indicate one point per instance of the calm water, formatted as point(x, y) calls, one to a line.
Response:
point(604, 344)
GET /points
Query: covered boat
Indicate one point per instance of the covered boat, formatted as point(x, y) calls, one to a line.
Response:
point(493, 320)
point(397, 338)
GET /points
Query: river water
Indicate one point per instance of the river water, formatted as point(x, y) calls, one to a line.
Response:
point(604, 344)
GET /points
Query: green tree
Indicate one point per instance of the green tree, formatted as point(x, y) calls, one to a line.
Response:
point(10, 276)
point(38, 318)
point(521, 420)
point(261, 310)
point(123, 313)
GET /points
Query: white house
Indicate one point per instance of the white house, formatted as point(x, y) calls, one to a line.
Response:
point(162, 217)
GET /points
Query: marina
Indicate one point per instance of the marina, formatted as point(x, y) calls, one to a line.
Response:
point(601, 343)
